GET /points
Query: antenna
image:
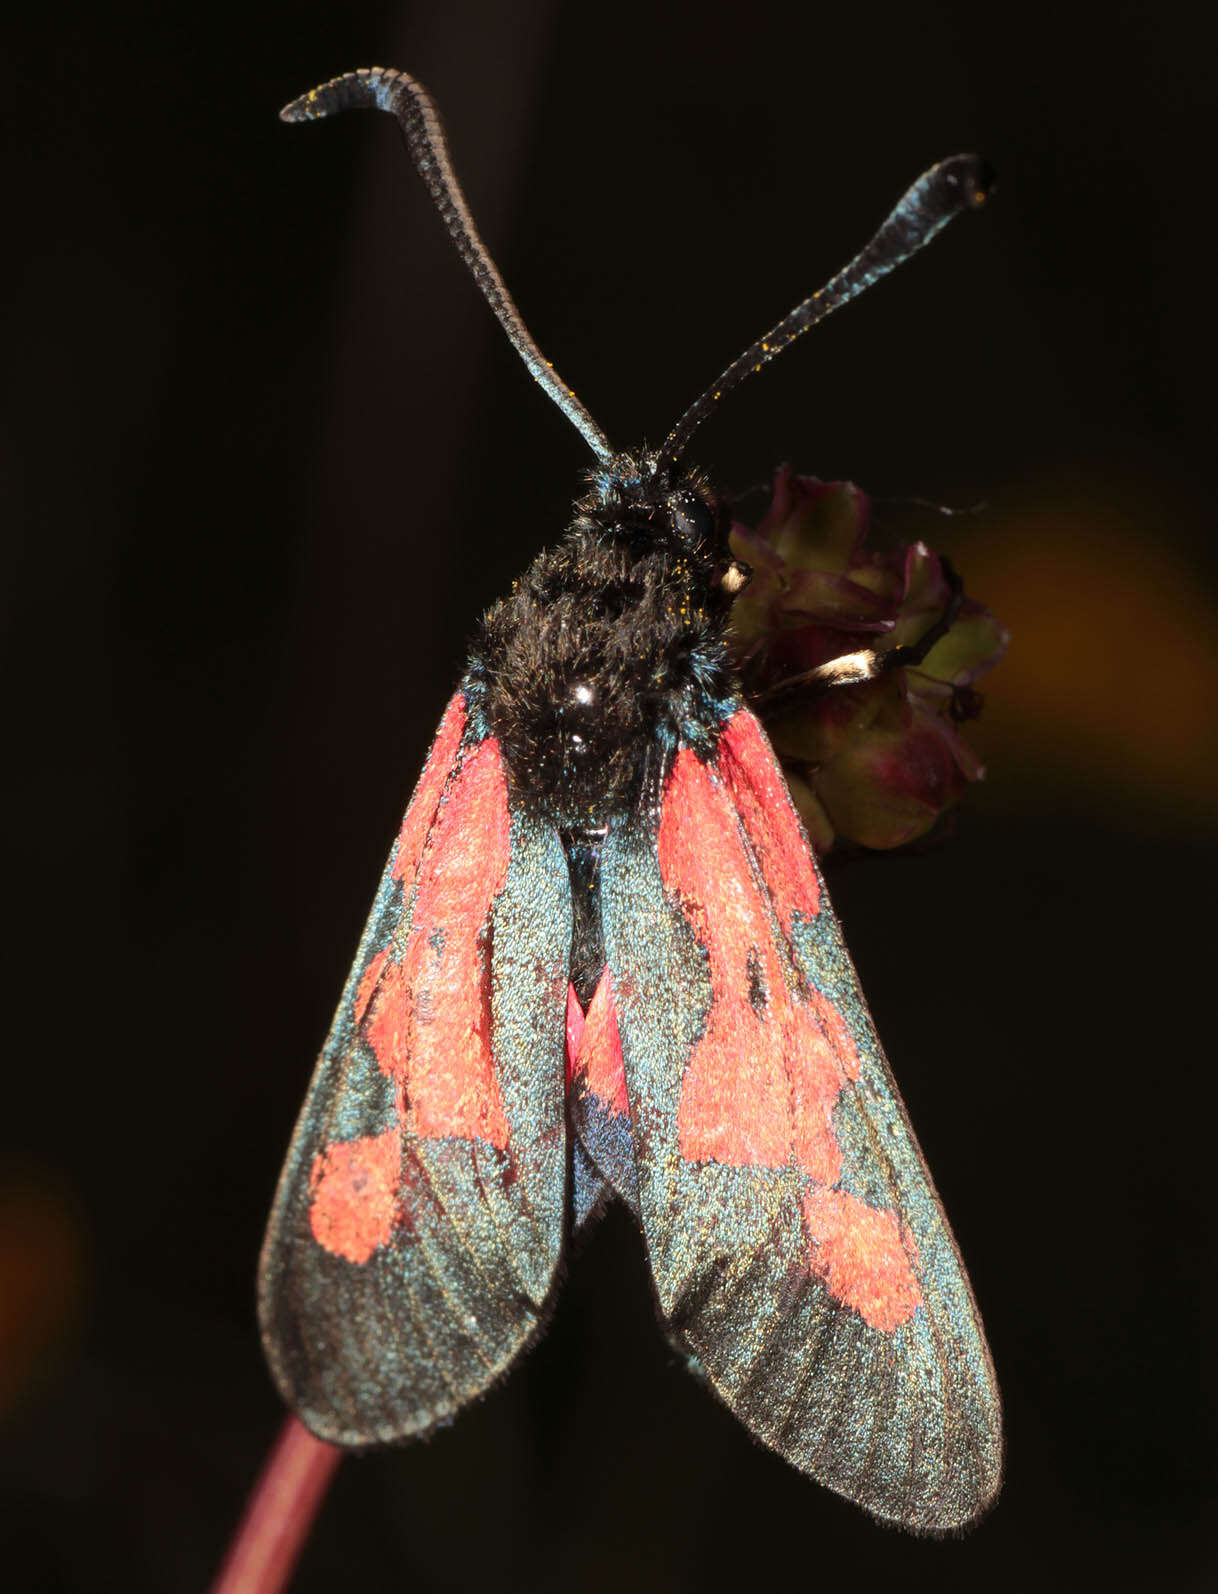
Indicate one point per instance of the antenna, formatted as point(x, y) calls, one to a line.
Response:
point(410, 104)
point(959, 183)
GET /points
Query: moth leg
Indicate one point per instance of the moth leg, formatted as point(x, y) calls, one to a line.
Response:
point(868, 664)
point(913, 653)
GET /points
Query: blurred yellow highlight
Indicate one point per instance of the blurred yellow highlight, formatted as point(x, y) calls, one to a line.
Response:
point(1110, 686)
point(41, 1281)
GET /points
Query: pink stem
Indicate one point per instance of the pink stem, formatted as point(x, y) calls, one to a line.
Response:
point(282, 1505)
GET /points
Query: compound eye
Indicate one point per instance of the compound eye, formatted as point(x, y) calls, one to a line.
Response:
point(693, 519)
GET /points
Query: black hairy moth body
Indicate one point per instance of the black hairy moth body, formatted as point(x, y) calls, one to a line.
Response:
point(601, 965)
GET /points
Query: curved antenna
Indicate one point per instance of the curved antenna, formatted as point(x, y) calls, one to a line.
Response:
point(956, 184)
point(410, 104)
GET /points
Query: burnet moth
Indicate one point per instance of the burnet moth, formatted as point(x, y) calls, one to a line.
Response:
point(601, 964)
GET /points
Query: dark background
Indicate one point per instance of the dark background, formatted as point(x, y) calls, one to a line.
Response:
point(267, 455)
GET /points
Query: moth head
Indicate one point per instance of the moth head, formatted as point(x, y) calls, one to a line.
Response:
point(651, 506)
point(700, 525)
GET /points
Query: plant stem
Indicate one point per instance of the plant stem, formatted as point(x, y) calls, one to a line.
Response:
point(279, 1515)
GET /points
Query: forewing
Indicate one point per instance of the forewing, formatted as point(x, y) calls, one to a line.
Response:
point(796, 1242)
point(420, 1215)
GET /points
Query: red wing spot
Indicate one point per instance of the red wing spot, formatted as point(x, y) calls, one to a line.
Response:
point(599, 1054)
point(764, 804)
point(837, 1034)
point(427, 794)
point(387, 1025)
point(762, 1080)
point(860, 1254)
point(369, 982)
point(429, 1022)
point(353, 1190)
point(575, 1030)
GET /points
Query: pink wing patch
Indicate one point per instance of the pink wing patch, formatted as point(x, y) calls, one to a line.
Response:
point(864, 1257)
point(429, 1021)
point(762, 1080)
point(369, 981)
point(575, 1033)
point(420, 815)
point(424, 1006)
point(594, 1046)
point(353, 1194)
point(764, 805)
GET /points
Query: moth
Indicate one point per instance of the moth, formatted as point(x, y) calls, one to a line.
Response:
point(601, 965)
